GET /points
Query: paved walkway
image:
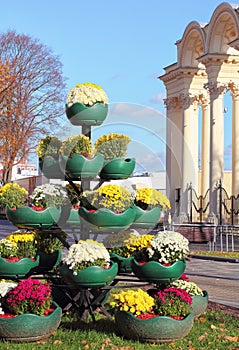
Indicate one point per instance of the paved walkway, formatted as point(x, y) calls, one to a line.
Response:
point(219, 278)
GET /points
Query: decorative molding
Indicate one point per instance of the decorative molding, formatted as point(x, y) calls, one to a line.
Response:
point(216, 88)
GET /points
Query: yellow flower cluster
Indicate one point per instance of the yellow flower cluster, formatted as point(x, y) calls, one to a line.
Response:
point(87, 94)
point(110, 137)
point(12, 186)
point(152, 197)
point(13, 195)
point(114, 197)
point(135, 301)
point(138, 243)
point(20, 236)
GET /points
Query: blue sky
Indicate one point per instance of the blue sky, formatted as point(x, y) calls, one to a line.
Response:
point(122, 46)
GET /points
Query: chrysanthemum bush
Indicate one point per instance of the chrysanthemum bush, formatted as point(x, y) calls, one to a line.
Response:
point(87, 94)
point(18, 244)
point(113, 197)
point(116, 242)
point(167, 247)
point(76, 144)
point(48, 146)
point(112, 146)
point(171, 302)
point(191, 287)
point(13, 195)
point(48, 195)
point(29, 296)
point(148, 198)
point(85, 254)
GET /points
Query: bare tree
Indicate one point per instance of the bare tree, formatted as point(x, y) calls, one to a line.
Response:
point(32, 101)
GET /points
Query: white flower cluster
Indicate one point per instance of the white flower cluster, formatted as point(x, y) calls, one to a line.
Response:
point(4, 288)
point(168, 246)
point(87, 95)
point(85, 252)
point(190, 287)
point(49, 194)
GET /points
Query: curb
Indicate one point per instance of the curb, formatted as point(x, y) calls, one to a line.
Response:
point(215, 258)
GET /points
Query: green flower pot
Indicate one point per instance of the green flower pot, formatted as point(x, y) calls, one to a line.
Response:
point(156, 330)
point(91, 277)
point(146, 218)
point(80, 167)
point(124, 264)
point(48, 262)
point(22, 268)
point(30, 327)
point(26, 217)
point(153, 271)
point(199, 303)
point(118, 168)
point(106, 219)
point(50, 167)
point(79, 114)
point(74, 218)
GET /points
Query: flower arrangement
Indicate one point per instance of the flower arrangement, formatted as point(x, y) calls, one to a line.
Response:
point(49, 145)
point(48, 195)
point(48, 242)
point(112, 146)
point(113, 197)
point(136, 302)
point(85, 254)
point(13, 195)
point(18, 244)
point(165, 247)
point(29, 296)
point(116, 242)
point(76, 144)
point(171, 302)
point(88, 94)
point(147, 198)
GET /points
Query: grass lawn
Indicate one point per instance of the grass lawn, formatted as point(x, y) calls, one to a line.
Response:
point(212, 330)
point(233, 255)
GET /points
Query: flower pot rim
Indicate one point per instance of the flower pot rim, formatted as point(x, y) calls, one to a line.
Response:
point(32, 315)
point(31, 209)
point(156, 318)
point(103, 210)
point(78, 155)
point(18, 262)
point(94, 267)
point(156, 263)
point(85, 106)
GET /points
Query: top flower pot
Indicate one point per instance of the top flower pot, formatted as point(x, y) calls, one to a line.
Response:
point(81, 167)
point(79, 114)
point(50, 167)
point(26, 217)
point(118, 168)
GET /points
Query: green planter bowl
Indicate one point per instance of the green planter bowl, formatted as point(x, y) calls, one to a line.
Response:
point(146, 218)
point(30, 327)
point(81, 167)
point(124, 264)
point(22, 268)
point(118, 168)
point(152, 271)
point(199, 303)
point(26, 217)
point(156, 330)
point(48, 262)
point(74, 218)
point(106, 219)
point(91, 277)
point(79, 114)
point(50, 167)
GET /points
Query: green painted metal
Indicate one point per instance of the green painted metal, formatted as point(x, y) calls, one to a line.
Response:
point(79, 114)
point(156, 330)
point(91, 277)
point(118, 168)
point(81, 167)
point(153, 271)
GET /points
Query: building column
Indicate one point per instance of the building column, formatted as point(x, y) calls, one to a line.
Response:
point(173, 151)
point(235, 138)
point(205, 154)
point(216, 169)
point(189, 145)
